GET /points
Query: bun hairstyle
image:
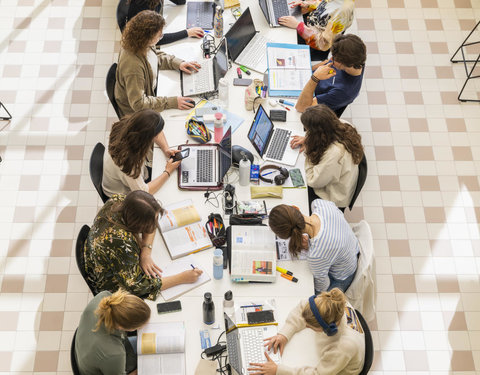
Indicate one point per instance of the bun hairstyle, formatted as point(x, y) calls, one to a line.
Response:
point(288, 222)
point(331, 306)
point(122, 309)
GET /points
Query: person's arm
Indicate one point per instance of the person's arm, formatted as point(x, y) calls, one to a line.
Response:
point(332, 362)
point(173, 37)
point(114, 364)
point(168, 62)
point(185, 277)
point(158, 182)
point(305, 100)
point(328, 170)
point(294, 321)
point(162, 142)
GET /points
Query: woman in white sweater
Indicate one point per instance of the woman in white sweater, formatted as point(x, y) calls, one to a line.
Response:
point(340, 340)
point(130, 153)
point(333, 150)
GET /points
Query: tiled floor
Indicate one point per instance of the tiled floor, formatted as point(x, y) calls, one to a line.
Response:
point(422, 196)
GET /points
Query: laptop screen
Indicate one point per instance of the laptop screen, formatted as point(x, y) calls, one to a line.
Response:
point(225, 153)
point(263, 7)
point(242, 31)
point(260, 131)
point(221, 62)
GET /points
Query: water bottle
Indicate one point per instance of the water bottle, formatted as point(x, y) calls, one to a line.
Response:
point(244, 170)
point(218, 264)
point(208, 309)
point(218, 22)
point(223, 92)
point(228, 303)
point(218, 125)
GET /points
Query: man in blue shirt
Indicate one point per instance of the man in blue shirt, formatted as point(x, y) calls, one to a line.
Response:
point(336, 83)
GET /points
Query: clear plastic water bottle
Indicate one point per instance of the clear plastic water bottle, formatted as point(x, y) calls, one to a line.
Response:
point(223, 92)
point(218, 127)
point(218, 264)
point(208, 309)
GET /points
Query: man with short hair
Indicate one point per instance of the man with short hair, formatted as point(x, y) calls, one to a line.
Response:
point(336, 83)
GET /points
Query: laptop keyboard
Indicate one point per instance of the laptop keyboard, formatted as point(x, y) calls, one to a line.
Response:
point(252, 344)
point(233, 350)
point(254, 53)
point(204, 165)
point(280, 9)
point(202, 78)
point(202, 17)
point(278, 144)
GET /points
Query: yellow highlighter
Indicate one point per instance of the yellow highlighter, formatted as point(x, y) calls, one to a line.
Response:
point(283, 270)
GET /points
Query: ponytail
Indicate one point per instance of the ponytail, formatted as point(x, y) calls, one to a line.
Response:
point(121, 309)
point(331, 306)
point(288, 222)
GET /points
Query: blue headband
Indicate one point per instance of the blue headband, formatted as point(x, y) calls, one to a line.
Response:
point(330, 329)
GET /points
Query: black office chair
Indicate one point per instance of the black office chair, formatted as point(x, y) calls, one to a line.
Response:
point(362, 176)
point(368, 345)
point(340, 111)
point(80, 256)
point(73, 357)
point(122, 14)
point(96, 169)
point(110, 85)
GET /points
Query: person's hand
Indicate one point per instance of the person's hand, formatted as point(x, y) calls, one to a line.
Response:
point(172, 165)
point(170, 152)
point(288, 21)
point(298, 141)
point(189, 67)
point(276, 342)
point(195, 32)
point(149, 266)
point(190, 276)
point(267, 368)
point(185, 103)
point(324, 70)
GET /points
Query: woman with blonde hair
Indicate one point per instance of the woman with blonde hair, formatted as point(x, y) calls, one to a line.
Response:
point(139, 64)
point(101, 345)
point(339, 338)
point(332, 248)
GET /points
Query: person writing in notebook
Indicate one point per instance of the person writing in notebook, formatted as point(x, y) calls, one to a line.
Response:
point(339, 337)
point(336, 83)
point(118, 249)
point(139, 64)
point(331, 245)
point(101, 345)
point(128, 162)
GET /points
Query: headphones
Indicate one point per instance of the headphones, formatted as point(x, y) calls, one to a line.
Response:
point(279, 178)
point(330, 329)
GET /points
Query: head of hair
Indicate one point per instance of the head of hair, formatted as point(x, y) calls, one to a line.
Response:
point(322, 128)
point(139, 211)
point(140, 30)
point(132, 137)
point(121, 310)
point(349, 50)
point(331, 306)
point(288, 222)
point(150, 4)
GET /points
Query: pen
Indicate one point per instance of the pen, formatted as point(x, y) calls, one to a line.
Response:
point(286, 102)
point(242, 307)
point(245, 70)
point(239, 73)
point(192, 266)
point(283, 270)
point(266, 174)
point(289, 277)
point(283, 106)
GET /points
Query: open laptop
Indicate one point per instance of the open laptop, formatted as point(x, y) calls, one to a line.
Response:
point(206, 165)
point(245, 46)
point(246, 344)
point(205, 81)
point(200, 14)
point(274, 9)
point(271, 143)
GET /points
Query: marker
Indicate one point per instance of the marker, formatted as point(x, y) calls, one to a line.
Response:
point(283, 270)
point(330, 71)
point(284, 106)
point(192, 266)
point(286, 102)
point(245, 70)
point(239, 73)
point(289, 277)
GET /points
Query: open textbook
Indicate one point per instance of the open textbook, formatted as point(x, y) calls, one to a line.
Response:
point(161, 348)
point(182, 229)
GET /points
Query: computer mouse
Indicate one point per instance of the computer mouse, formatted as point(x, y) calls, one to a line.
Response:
point(191, 101)
point(237, 155)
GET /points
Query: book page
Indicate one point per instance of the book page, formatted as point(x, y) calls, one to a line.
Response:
point(288, 79)
point(161, 338)
point(288, 58)
point(284, 254)
point(253, 262)
point(165, 364)
point(185, 240)
point(178, 215)
point(252, 237)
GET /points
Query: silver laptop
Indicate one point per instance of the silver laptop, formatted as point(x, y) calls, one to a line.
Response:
point(200, 14)
point(274, 9)
point(206, 165)
point(246, 344)
point(245, 46)
point(205, 81)
point(271, 143)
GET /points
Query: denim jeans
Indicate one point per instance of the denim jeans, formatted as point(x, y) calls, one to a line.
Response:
point(340, 284)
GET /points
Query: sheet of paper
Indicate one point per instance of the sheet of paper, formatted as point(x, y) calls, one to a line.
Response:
point(284, 254)
point(178, 215)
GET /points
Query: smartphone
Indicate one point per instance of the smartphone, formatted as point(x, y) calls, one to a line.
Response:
point(241, 81)
point(166, 307)
point(182, 154)
point(296, 177)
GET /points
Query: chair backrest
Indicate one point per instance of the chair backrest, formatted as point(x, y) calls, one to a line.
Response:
point(368, 345)
point(122, 14)
point(73, 358)
point(362, 176)
point(80, 256)
point(96, 169)
point(110, 86)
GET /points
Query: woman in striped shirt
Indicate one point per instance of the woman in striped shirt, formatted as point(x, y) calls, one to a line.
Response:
point(332, 248)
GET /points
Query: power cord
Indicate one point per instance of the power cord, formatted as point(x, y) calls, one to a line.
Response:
point(208, 46)
point(212, 198)
point(220, 356)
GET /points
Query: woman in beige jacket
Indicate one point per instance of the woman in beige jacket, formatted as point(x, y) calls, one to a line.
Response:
point(139, 63)
point(333, 150)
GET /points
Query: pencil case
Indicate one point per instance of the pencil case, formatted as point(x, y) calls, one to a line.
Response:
point(216, 229)
point(197, 130)
point(253, 95)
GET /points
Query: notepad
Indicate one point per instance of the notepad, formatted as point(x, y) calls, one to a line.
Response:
point(178, 266)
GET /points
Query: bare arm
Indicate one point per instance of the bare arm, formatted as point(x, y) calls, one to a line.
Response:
point(305, 100)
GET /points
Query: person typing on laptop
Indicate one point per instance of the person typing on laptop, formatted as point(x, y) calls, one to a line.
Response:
point(139, 63)
point(336, 83)
point(333, 150)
